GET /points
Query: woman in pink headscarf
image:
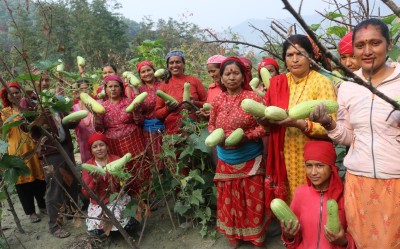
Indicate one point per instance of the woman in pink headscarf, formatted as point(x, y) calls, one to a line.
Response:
point(153, 127)
point(346, 53)
point(123, 130)
point(213, 68)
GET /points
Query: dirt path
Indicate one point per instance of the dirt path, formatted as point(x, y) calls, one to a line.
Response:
point(159, 233)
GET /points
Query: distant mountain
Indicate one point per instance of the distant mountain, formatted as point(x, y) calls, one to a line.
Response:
point(250, 35)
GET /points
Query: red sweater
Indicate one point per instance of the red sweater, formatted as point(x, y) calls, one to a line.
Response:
point(307, 204)
point(173, 120)
point(103, 186)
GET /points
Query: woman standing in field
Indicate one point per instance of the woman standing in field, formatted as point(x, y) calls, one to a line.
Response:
point(32, 186)
point(168, 111)
point(288, 137)
point(367, 125)
point(240, 172)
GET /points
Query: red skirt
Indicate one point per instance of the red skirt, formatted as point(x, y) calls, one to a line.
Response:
point(139, 166)
point(240, 207)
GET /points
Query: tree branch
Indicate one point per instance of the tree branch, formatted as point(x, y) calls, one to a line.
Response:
point(324, 51)
point(392, 6)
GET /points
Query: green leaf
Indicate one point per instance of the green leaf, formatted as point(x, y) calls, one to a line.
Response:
point(130, 209)
point(188, 151)
point(195, 175)
point(339, 31)
point(6, 127)
point(13, 167)
point(389, 19)
point(199, 141)
point(181, 208)
point(196, 197)
point(314, 27)
point(203, 231)
point(3, 196)
point(3, 147)
point(333, 15)
point(394, 29)
point(394, 54)
point(113, 196)
point(27, 77)
point(46, 65)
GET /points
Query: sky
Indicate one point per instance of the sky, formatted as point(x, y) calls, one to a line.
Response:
point(215, 14)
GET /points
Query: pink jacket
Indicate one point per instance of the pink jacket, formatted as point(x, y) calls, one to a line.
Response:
point(309, 205)
point(361, 124)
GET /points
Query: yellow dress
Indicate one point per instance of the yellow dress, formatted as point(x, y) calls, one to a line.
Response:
point(313, 86)
point(19, 143)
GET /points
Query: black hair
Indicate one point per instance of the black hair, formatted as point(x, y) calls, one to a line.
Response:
point(300, 40)
point(112, 66)
point(374, 22)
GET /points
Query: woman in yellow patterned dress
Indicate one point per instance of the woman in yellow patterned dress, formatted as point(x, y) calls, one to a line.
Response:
point(32, 186)
point(284, 171)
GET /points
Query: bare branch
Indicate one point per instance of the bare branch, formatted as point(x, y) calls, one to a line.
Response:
point(333, 20)
point(392, 6)
point(326, 52)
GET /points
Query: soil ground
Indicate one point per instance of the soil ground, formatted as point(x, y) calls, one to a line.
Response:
point(158, 233)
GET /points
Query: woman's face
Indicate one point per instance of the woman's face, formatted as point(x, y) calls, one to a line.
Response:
point(108, 70)
point(370, 48)
point(146, 74)
point(113, 90)
point(213, 71)
point(297, 63)
point(232, 78)
point(272, 70)
point(17, 95)
point(319, 174)
point(350, 61)
point(84, 88)
point(176, 65)
point(99, 149)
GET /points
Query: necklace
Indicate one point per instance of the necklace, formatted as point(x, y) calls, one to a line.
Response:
point(302, 90)
point(233, 105)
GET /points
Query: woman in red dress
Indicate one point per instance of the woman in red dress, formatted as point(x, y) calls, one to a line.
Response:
point(239, 175)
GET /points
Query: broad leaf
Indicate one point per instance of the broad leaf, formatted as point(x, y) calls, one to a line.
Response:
point(46, 65)
point(389, 19)
point(6, 128)
point(339, 31)
point(314, 27)
point(197, 197)
point(27, 77)
point(13, 167)
point(181, 208)
point(3, 147)
point(394, 54)
point(333, 15)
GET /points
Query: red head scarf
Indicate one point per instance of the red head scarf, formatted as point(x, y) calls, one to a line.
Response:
point(144, 63)
point(345, 44)
point(3, 92)
point(268, 61)
point(246, 76)
point(96, 137)
point(324, 152)
point(113, 77)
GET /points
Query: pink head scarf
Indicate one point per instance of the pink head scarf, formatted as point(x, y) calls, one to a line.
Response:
point(144, 63)
point(246, 76)
point(345, 44)
point(216, 59)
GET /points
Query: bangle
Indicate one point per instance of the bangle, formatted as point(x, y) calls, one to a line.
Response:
point(328, 124)
point(307, 128)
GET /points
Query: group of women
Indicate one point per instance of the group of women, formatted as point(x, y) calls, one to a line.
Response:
point(289, 159)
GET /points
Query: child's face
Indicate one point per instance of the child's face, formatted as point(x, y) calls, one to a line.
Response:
point(319, 174)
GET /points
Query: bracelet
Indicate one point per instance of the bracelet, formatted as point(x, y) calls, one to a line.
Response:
point(327, 125)
point(307, 128)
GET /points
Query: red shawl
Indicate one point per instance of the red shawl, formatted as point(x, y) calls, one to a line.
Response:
point(276, 183)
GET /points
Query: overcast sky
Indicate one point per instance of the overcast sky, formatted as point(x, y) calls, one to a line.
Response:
point(221, 14)
point(217, 14)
